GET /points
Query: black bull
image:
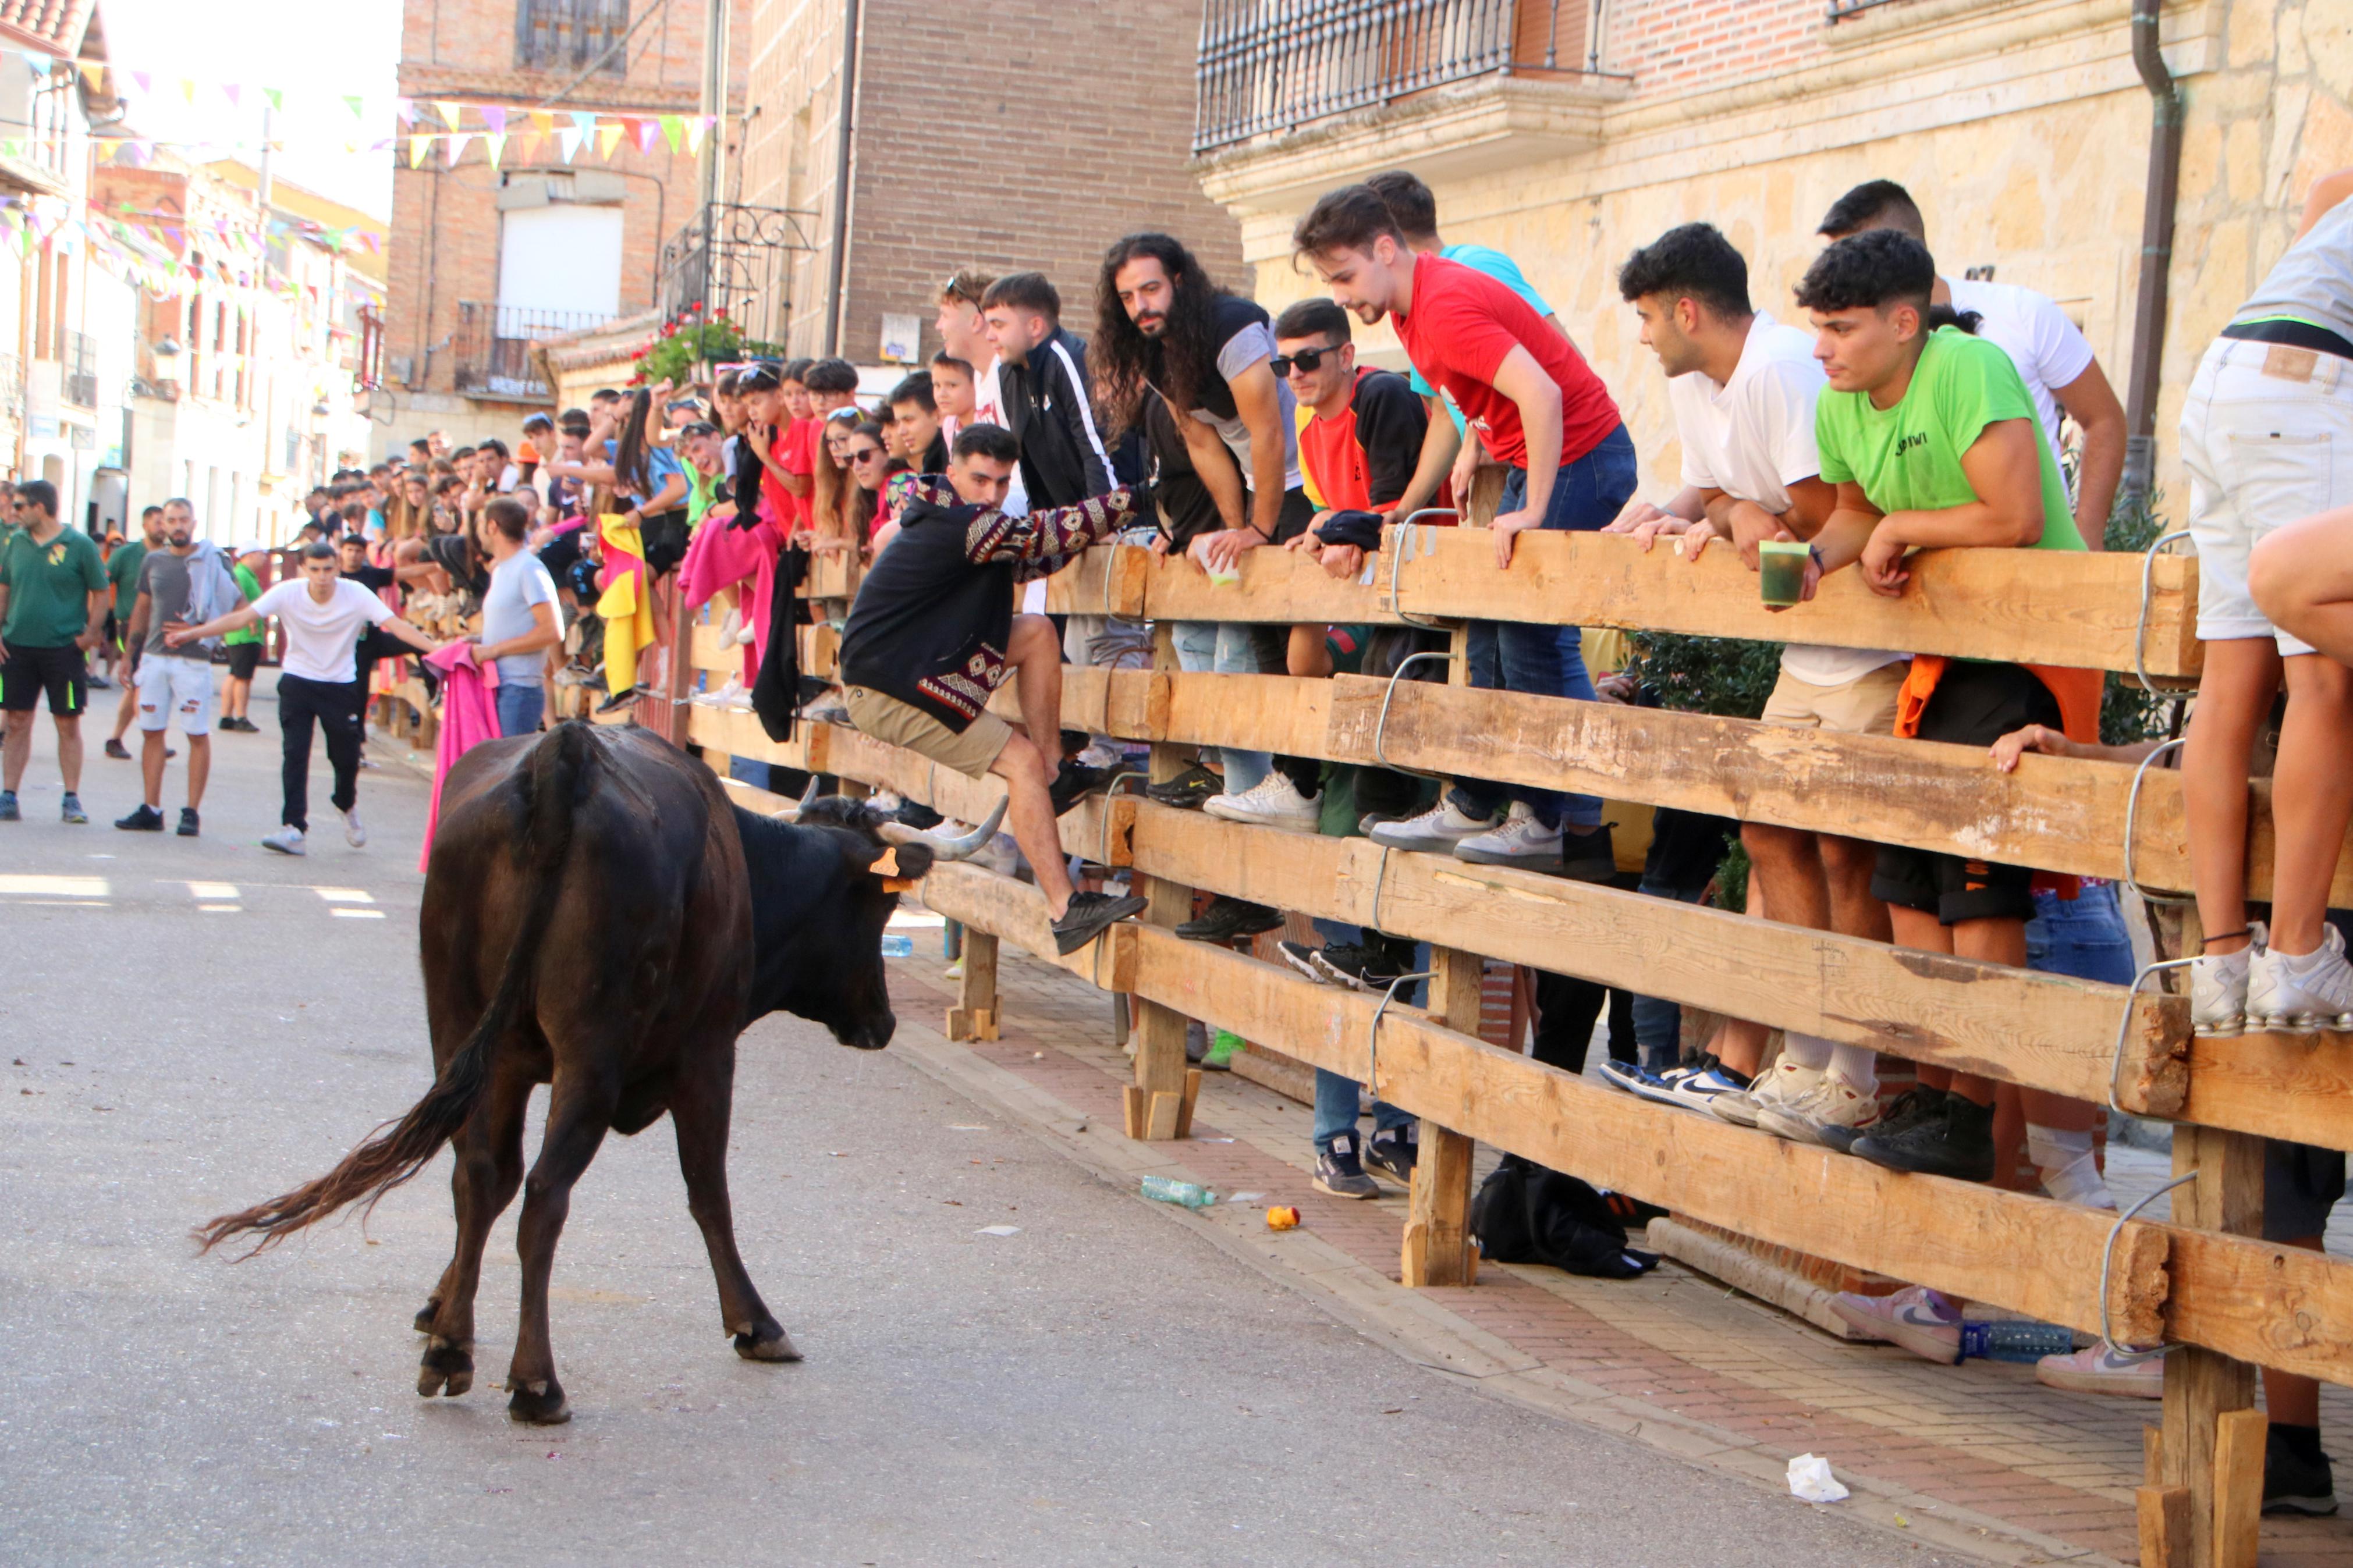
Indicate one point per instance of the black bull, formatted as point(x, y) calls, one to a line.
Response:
point(599, 918)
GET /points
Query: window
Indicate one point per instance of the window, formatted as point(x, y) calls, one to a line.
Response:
point(80, 370)
point(559, 266)
point(568, 34)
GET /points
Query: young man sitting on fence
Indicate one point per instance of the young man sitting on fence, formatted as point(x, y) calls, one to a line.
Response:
point(933, 634)
point(1542, 413)
point(1931, 439)
point(1743, 388)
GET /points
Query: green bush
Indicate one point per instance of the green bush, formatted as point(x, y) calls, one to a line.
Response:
point(2127, 714)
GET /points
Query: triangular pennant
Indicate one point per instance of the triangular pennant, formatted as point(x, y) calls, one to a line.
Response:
point(276, 97)
point(544, 121)
point(188, 91)
point(567, 141)
point(451, 113)
point(140, 80)
point(697, 126)
point(527, 144)
point(93, 74)
point(233, 93)
point(494, 144)
point(494, 116)
point(608, 138)
point(648, 132)
point(674, 130)
point(406, 108)
point(368, 239)
point(457, 140)
point(586, 122)
point(357, 104)
point(419, 148)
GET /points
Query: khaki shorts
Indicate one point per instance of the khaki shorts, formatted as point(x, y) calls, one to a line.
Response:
point(898, 723)
point(1863, 706)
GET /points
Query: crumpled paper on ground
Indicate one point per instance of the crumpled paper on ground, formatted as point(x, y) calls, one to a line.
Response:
point(1810, 1481)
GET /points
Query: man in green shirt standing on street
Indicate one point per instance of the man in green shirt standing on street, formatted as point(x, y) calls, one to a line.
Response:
point(243, 646)
point(52, 613)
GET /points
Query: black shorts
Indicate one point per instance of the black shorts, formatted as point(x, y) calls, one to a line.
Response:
point(2301, 1184)
point(244, 658)
point(664, 535)
point(114, 631)
point(1974, 705)
point(59, 671)
point(558, 554)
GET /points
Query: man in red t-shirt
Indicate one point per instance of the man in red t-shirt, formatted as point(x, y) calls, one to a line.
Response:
point(1542, 413)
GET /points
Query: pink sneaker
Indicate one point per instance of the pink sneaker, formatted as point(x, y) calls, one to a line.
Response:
point(1915, 1318)
point(2104, 1369)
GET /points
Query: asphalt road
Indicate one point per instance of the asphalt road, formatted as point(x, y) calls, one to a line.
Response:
point(191, 1025)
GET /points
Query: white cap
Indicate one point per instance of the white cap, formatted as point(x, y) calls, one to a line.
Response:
point(252, 549)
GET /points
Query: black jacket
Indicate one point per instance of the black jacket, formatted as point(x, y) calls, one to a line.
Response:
point(1063, 456)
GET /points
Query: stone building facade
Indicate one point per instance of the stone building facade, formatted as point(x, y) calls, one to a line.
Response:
point(2021, 126)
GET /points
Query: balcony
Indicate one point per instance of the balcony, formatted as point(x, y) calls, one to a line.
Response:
point(1299, 95)
point(494, 347)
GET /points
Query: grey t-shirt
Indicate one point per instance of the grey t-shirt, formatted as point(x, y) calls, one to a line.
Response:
point(164, 578)
point(2314, 281)
point(516, 585)
point(1245, 337)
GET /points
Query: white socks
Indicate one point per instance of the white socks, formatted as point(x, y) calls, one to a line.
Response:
point(2069, 1172)
point(1855, 1065)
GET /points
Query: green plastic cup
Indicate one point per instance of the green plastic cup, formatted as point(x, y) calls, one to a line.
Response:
point(1781, 571)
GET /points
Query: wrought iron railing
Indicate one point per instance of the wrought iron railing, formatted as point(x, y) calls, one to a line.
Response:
point(1273, 64)
point(493, 346)
point(736, 259)
point(1838, 10)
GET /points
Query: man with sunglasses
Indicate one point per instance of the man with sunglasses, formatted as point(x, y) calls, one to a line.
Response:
point(52, 613)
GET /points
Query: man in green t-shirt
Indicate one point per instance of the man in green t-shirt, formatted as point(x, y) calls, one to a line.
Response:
point(243, 646)
point(52, 613)
point(1932, 441)
point(123, 572)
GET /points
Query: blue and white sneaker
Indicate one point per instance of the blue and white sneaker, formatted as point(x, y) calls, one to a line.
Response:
point(1636, 1079)
point(1693, 1087)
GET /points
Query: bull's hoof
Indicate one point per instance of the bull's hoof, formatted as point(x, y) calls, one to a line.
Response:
point(447, 1368)
point(425, 1314)
point(538, 1403)
point(769, 1343)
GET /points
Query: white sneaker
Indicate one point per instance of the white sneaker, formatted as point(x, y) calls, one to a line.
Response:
point(2303, 992)
point(2218, 987)
point(1832, 1101)
point(1521, 842)
point(2104, 1369)
point(1436, 831)
point(1916, 1317)
point(353, 833)
point(286, 841)
point(1273, 802)
point(1783, 1085)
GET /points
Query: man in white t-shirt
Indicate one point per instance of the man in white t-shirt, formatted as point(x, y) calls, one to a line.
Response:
point(2053, 357)
point(1743, 388)
point(325, 615)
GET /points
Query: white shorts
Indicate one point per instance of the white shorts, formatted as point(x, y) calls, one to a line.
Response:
point(2267, 436)
point(172, 689)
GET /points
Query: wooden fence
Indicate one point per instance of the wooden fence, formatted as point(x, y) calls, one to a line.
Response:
point(2202, 1282)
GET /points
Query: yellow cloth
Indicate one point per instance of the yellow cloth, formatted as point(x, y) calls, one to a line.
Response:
point(626, 608)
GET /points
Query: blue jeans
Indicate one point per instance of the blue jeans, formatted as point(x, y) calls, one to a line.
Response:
point(519, 708)
point(1335, 1093)
point(1234, 648)
point(1547, 661)
point(2084, 937)
point(1658, 1024)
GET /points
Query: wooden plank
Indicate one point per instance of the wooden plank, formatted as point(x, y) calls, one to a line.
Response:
point(974, 1015)
point(1016, 911)
point(2021, 1252)
point(2164, 1517)
point(832, 574)
point(717, 654)
point(2296, 1087)
point(2238, 1487)
point(1109, 580)
point(1282, 586)
point(2202, 1382)
point(1435, 1245)
point(1159, 1063)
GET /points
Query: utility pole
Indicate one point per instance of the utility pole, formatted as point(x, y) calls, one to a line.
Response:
point(714, 142)
point(263, 193)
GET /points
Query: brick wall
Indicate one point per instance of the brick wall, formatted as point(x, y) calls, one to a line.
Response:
point(1671, 45)
point(1032, 145)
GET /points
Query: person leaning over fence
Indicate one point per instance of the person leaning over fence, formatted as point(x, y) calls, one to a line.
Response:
point(2263, 434)
point(1743, 388)
point(932, 635)
point(1930, 437)
point(1539, 410)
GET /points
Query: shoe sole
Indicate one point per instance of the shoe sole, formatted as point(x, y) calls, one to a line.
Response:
point(2227, 1030)
point(2140, 1386)
point(1543, 865)
point(1656, 1096)
point(1862, 1150)
point(2310, 1507)
point(2298, 1024)
point(1416, 845)
point(1112, 914)
point(1781, 1124)
point(1727, 1108)
point(1259, 819)
point(1336, 1193)
point(1942, 1346)
point(135, 826)
point(1387, 1174)
point(282, 849)
point(186, 832)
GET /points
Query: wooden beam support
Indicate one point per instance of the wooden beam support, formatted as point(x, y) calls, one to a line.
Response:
point(2202, 1386)
point(2239, 1443)
point(1154, 1098)
point(1436, 1246)
point(974, 1015)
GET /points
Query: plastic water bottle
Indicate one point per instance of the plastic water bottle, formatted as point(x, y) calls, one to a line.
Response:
point(2015, 1341)
point(1168, 1190)
point(897, 945)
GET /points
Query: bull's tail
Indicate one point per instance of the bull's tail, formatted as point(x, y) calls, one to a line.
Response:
point(551, 780)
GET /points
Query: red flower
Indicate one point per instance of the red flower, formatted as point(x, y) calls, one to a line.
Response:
point(719, 312)
point(636, 353)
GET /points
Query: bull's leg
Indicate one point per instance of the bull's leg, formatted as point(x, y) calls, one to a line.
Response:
point(489, 1151)
point(577, 1116)
point(700, 1107)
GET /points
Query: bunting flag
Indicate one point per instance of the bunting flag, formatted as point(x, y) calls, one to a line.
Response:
point(495, 118)
point(608, 138)
point(452, 114)
point(457, 140)
point(277, 99)
point(527, 144)
point(544, 121)
point(585, 123)
point(697, 127)
point(419, 146)
point(357, 103)
point(405, 109)
point(648, 132)
point(188, 91)
point(567, 141)
point(93, 73)
point(672, 130)
point(493, 143)
point(140, 80)
point(233, 93)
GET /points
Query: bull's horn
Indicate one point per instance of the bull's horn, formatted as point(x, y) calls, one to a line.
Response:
point(961, 847)
point(808, 799)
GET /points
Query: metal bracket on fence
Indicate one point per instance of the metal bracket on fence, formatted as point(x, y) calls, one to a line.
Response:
point(2124, 1032)
point(2147, 593)
point(1380, 878)
point(1381, 725)
point(2107, 1258)
point(2132, 812)
point(1397, 563)
point(1373, 1034)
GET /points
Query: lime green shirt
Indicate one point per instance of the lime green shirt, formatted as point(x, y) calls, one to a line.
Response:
point(1909, 458)
point(251, 587)
point(123, 571)
point(49, 588)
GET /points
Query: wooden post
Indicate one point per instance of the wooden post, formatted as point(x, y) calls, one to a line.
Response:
point(2206, 1448)
point(1436, 1249)
point(974, 1017)
point(1157, 1102)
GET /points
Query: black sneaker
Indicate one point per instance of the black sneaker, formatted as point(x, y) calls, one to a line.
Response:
point(118, 751)
point(146, 819)
point(1226, 919)
point(1905, 1109)
point(8, 812)
point(1359, 965)
point(1588, 857)
point(1196, 1041)
point(1956, 1143)
point(1340, 1173)
point(1392, 1152)
point(1089, 916)
point(188, 826)
point(2297, 1478)
point(1072, 785)
point(618, 700)
point(1189, 791)
point(1302, 957)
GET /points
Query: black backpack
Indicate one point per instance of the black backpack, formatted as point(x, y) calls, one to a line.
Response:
point(1526, 1213)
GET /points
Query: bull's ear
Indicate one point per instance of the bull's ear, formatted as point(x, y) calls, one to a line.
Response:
point(902, 866)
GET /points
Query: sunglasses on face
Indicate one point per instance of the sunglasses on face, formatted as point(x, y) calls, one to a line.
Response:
point(866, 454)
point(1305, 360)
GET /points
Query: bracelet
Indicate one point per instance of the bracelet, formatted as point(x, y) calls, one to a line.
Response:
point(2227, 935)
point(1815, 552)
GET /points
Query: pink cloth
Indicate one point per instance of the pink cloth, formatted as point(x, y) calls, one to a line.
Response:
point(470, 715)
point(720, 557)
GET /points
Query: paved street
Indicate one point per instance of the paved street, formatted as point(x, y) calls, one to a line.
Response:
point(196, 1025)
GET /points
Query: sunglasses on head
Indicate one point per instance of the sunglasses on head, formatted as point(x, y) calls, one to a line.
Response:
point(1305, 359)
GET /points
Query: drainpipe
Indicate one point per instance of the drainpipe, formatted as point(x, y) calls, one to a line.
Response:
point(836, 265)
point(2155, 253)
